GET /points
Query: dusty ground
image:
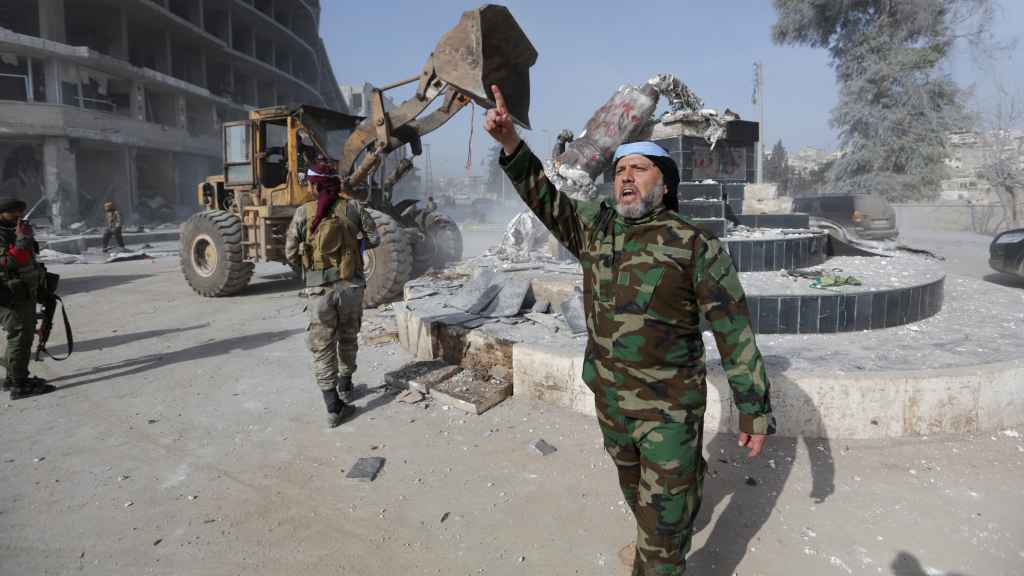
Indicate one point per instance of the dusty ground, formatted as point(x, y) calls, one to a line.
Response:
point(188, 438)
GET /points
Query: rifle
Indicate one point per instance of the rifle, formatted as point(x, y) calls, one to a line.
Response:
point(32, 209)
point(48, 298)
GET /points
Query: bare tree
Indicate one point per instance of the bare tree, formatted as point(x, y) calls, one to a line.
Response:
point(1003, 155)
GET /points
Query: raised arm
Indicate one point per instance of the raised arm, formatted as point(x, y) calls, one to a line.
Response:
point(564, 217)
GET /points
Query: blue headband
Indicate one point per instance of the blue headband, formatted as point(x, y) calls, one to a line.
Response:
point(642, 148)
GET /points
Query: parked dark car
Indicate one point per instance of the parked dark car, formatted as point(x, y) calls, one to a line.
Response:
point(863, 216)
point(1006, 253)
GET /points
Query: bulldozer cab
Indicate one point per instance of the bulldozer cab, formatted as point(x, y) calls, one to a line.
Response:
point(268, 154)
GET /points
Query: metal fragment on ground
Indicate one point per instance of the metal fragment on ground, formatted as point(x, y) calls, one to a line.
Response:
point(366, 469)
point(541, 447)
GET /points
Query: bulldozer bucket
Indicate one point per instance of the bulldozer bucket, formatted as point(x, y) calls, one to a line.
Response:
point(488, 47)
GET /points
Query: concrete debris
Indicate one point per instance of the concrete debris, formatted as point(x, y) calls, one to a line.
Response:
point(77, 226)
point(477, 293)
point(549, 320)
point(471, 393)
point(541, 307)
point(47, 256)
point(410, 397)
point(366, 469)
point(421, 376)
point(509, 300)
point(572, 311)
point(541, 447)
point(128, 256)
point(525, 237)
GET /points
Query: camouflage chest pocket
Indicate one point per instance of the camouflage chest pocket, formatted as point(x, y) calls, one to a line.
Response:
point(635, 285)
point(600, 258)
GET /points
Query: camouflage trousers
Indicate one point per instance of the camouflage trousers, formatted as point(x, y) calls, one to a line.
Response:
point(335, 315)
point(661, 473)
point(19, 321)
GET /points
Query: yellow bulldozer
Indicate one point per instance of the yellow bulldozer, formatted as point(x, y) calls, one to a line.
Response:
point(247, 209)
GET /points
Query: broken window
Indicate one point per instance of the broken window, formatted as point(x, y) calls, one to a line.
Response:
point(14, 77)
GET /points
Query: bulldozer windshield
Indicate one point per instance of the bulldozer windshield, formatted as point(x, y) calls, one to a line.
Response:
point(329, 129)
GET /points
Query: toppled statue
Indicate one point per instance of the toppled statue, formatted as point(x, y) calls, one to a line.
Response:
point(627, 116)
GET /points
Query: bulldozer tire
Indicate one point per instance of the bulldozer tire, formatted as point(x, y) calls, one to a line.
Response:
point(444, 236)
point(388, 266)
point(211, 254)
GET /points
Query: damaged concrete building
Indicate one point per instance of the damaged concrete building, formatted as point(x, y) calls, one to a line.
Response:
point(124, 99)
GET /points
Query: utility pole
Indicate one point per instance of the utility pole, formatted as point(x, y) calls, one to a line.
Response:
point(428, 174)
point(758, 98)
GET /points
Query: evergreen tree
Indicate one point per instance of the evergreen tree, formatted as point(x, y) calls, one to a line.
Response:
point(896, 104)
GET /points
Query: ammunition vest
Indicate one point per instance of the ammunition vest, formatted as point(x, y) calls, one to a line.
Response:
point(333, 247)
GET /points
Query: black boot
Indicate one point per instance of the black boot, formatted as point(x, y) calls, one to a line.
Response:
point(29, 387)
point(8, 384)
point(345, 389)
point(337, 411)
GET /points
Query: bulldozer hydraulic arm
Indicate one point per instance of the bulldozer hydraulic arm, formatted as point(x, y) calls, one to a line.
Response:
point(486, 47)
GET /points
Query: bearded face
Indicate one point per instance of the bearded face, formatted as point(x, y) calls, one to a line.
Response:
point(639, 186)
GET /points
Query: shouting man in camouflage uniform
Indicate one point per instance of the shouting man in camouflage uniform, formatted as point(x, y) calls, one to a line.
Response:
point(648, 277)
point(327, 237)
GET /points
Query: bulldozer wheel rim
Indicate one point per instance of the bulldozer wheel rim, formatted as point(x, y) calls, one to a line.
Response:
point(369, 263)
point(204, 255)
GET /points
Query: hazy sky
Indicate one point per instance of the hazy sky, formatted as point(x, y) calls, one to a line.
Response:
point(588, 49)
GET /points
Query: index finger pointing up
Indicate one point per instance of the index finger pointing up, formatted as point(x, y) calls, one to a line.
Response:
point(499, 100)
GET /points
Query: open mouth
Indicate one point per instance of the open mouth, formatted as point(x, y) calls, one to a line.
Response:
point(628, 195)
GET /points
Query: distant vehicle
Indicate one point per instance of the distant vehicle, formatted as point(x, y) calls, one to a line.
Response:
point(863, 216)
point(1006, 253)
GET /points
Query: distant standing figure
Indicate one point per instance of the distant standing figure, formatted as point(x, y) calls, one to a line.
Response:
point(113, 227)
point(431, 205)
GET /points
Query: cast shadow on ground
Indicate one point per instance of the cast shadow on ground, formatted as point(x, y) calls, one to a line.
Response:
point(906, 564)
point(273, 284)
point(69, 286)
point(208, 349)
point(382, 396)
point(753, 488)
point(1004, 280)
point(116, 339)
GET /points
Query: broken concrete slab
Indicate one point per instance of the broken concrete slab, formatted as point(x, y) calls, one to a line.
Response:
point(572, 310)
point(470, 393)
point(485, 300)
point(477, 293)
point(541, 307)
point(421, 376)
point(366, 469)
point(509, 301)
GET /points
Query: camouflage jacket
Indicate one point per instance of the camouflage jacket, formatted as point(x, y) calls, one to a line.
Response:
point(113, 219)
point(296, 234)
point(646, 284)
